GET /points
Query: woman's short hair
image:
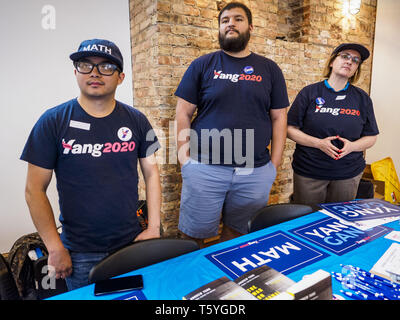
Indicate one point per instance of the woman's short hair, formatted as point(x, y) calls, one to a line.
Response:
point(328, 69)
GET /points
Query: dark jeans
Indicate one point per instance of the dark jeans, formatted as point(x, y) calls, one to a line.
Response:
point(82, 263)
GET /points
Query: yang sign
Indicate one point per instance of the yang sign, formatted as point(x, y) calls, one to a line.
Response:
point(278, 250)
point(337, 237)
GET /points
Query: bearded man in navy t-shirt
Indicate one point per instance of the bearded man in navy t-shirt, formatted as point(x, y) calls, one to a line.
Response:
point(93, 143)
point(241, 100)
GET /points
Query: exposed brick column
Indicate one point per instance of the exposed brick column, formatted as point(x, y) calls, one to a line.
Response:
point(153, 82)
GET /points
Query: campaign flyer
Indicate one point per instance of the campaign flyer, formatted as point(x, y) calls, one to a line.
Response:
point(264, 282)
point(220, 289)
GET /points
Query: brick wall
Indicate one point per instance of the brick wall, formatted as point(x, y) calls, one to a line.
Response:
point(167, 35)
point(293, 18)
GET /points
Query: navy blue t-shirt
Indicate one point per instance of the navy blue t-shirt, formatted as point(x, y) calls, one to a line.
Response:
point(233, 98)
point(321, 112)
point(95, 163)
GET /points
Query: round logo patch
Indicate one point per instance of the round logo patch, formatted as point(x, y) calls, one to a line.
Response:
point(248, 70)
point(124, 134)
point(320, 101)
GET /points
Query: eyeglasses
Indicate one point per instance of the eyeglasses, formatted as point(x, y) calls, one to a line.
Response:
point(104, 68)
point(347, 56)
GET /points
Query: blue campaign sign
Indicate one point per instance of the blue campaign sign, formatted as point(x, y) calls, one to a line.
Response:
point(337, 237)
point(358, 210)
point(278, 250)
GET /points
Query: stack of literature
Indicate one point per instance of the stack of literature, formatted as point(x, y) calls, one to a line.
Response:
point(265, 283)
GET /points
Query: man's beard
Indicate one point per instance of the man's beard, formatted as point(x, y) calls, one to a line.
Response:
point(234, 44)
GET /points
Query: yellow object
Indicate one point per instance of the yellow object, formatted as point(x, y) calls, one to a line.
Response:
point(384, 170)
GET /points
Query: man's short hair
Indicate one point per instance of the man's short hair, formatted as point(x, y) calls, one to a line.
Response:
point(233, 5)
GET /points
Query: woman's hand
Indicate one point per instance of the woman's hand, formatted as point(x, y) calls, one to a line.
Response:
point(348, 147)
point(326, 146)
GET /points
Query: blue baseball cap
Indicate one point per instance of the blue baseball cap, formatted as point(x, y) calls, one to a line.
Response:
point(363, 51)
point(99, 48)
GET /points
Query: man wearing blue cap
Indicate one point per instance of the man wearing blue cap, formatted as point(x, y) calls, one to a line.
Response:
point(93, 144)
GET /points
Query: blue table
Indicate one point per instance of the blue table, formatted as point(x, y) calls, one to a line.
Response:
point(174, 278)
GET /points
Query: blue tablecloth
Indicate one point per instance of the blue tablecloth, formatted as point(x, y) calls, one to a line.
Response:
point(174, 278)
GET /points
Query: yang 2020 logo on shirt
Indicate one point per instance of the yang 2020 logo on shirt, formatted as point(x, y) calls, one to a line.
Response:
point(321, 108)
point(98, 149)
point(247, 75)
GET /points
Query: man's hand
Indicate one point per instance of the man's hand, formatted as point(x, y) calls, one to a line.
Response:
point(59, 263)
point(279, 128)
point(184, 114)
point(37, 181)
point(149, 233)
point(151, 177)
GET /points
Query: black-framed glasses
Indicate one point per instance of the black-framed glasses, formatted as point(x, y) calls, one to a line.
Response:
point(348, 56)
point(104, 68)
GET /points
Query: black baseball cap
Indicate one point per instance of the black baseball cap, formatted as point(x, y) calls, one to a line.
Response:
point(363, 51)
point(99, 48)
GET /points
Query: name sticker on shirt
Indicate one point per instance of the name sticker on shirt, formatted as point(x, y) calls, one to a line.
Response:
point(79, 125)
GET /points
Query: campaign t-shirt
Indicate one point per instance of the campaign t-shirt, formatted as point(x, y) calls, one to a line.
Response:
point(321, 112)
point(233, 98)
point(95, 163)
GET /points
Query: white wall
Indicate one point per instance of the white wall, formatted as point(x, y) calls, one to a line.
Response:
point(385, 92)
point(36, 73)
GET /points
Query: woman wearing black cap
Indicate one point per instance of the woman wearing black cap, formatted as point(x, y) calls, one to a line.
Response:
point(332, 123)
